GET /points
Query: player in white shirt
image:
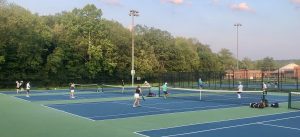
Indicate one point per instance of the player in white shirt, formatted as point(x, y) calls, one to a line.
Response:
point(240, 90)
point(27, 89)
point(18, 86)
point(264, 88)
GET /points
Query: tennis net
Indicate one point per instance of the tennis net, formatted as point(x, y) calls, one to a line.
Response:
point(294, 100)
point(88, 87)
point(127, 90)
point(220, 96)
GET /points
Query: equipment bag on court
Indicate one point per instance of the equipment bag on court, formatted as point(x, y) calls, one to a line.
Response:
point(260, 105)
point(151, 94)
point(257, 105)
point(265, 102)
point(252, 104)
point(275, 105)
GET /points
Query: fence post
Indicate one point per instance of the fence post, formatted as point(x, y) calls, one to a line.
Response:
point(233, 79)
point(297, 78)
point(290, 100)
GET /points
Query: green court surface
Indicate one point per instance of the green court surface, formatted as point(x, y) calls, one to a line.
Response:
point(20, 118)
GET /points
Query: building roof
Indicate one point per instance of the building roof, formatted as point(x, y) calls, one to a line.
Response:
point(290, 66)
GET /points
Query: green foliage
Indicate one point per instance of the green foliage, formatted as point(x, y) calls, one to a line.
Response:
point(227, 60)
point(267, 64)
point(81, 46)
point(2, 59)
point(247, 63)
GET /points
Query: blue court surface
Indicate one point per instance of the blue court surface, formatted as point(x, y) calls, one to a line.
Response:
point(35, 92)
point(77, 96)
point(278, 125)
point(124, 109)
point(151, 106)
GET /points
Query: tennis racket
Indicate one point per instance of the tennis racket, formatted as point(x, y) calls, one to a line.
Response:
point(142, 96)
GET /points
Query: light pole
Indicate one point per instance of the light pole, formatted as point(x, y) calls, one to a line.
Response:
point(237, 25)
point(132, 13)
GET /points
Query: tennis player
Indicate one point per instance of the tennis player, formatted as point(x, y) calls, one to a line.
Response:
point(72, 90)
point(147, 85)
point(137, 93)
point(240, 90)
point(22, 85)
point(200, 83)
point(165, 90)
point(276, 84)
point(27, 88)
point(17, 86)
point(123, 86)
point(264, 88)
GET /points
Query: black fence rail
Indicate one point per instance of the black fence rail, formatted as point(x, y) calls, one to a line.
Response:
point(230, 79)
point(251, 80)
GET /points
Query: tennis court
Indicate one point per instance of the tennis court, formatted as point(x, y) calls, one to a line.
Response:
point(66, 96)
point(36, 92)
point(278, 125)
point(186, 112)
point(179, 101)
point(88, 92)
point(124, 109)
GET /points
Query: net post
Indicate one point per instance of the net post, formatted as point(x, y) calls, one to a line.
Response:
point(290, 100)
point(159, 90)
point(102, 86)
point(200, 92)
point(264, 96)
point(98, 89)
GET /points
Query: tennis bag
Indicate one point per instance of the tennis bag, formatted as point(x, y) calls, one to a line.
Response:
point(260, 105)
point(275, 105)
point(265, 102)
point(151, 94)
point(257, 105)
point(252, 104)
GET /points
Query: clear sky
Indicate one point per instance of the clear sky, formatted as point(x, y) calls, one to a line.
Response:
point(269, 27)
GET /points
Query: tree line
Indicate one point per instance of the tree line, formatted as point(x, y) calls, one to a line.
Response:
point(83, 46)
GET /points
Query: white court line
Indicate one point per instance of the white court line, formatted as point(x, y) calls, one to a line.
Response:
point(71, 104)
point(219, 120)
point(144, 106)
point(21, 98)
point(67, 113)
point(81, 103)
point(274, 120)
point(157, 111)
point(54, 109)
point(175, 102)
point(214, 129)
point(149, 105)
point(140, 134)
point(272, 125)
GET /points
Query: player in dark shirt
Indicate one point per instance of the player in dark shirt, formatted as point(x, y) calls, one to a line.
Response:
point(137, 93)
